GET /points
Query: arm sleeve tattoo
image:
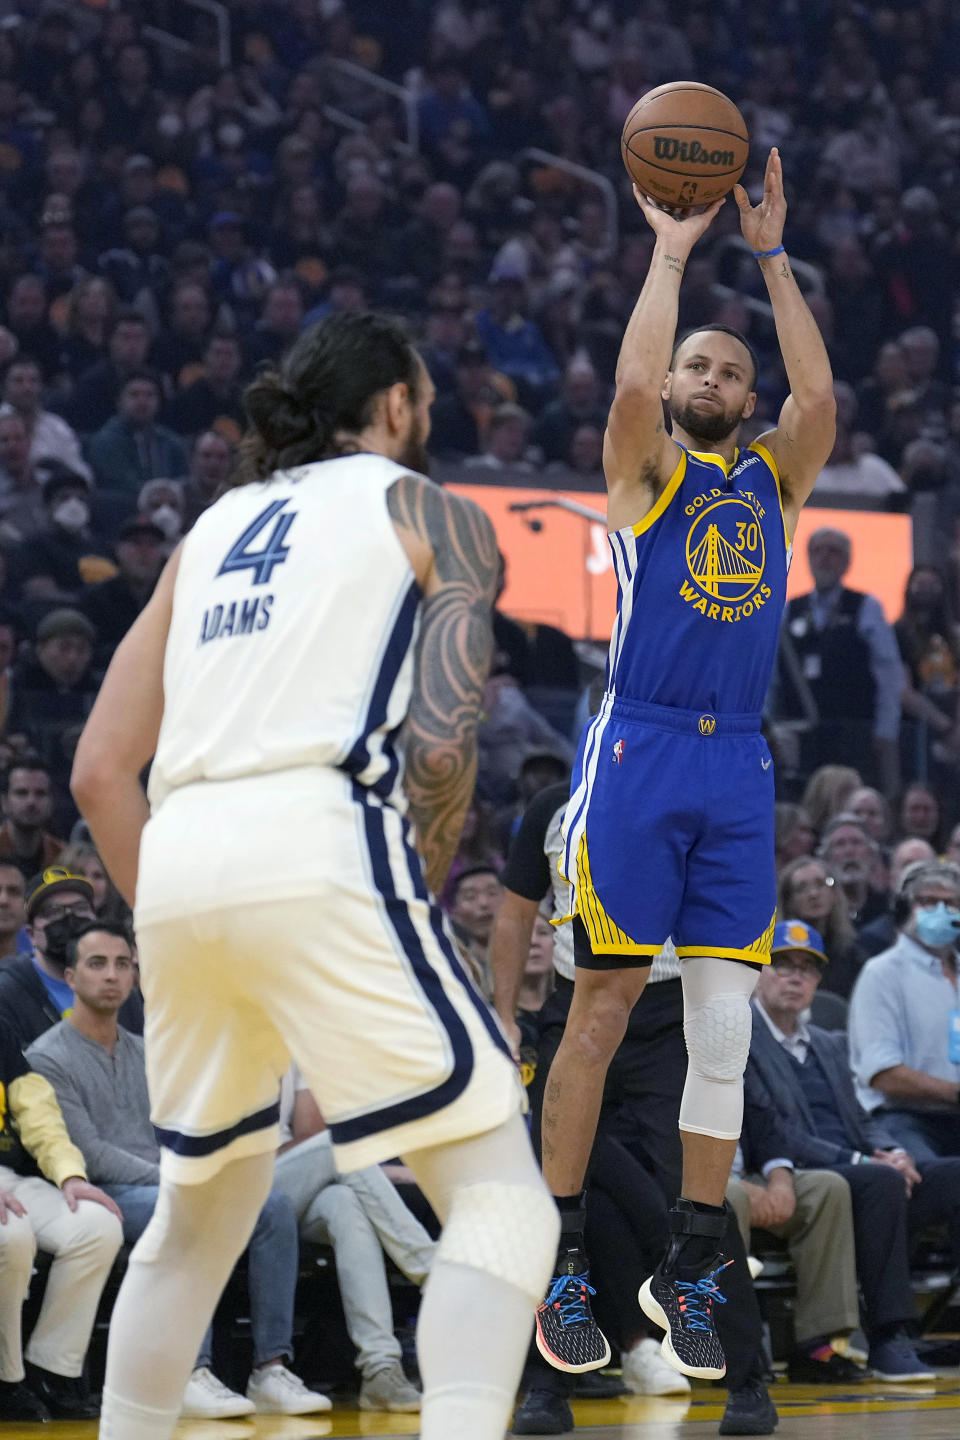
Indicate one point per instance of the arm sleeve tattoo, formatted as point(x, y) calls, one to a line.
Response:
point(452, 664)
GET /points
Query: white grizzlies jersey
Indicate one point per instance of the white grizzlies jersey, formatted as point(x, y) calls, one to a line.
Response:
point(295, 615)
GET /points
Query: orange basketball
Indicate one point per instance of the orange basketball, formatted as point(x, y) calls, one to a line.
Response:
point(685, 144)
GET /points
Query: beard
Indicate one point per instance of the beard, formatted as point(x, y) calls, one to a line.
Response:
point(711, 425)
point(414, 455)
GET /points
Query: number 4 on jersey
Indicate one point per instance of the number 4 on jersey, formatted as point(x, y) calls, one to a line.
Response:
point(262, 562)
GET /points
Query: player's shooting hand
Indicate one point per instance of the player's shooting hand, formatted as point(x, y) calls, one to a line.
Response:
point(762, 224)
point(681, 229)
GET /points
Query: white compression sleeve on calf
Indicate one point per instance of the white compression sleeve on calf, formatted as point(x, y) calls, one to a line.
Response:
point(717, 1025)
point(174, 1279)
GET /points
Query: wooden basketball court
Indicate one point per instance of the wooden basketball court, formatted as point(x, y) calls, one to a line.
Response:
point(807, 1412)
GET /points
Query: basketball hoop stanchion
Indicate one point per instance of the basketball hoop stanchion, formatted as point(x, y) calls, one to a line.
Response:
point(573, 507)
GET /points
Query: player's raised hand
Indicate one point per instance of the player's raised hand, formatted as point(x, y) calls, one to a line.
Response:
point(682, 228)
point(762, 224)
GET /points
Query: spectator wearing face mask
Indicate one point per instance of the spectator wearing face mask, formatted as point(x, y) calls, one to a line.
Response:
point(64, 555)
point(904, 1021)
point(162, 503)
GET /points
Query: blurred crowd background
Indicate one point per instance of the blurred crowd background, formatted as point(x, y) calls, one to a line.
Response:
point(183, 189)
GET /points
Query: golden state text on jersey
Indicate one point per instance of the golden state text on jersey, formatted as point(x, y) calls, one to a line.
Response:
point(701, 584)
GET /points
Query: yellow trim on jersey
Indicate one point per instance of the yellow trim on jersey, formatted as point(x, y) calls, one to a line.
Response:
point(758, 952)
point(722, 952)
point(606, 937)
point(710, 457)
point(666, 495)
point(765, 454)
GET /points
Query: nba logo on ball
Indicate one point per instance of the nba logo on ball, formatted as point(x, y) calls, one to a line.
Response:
point(685, 144)
point(618, 752)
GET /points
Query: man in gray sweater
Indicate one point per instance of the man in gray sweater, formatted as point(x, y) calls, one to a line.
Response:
point(97, 1070)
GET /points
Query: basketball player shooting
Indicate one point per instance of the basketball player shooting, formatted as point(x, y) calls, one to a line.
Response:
point(310, 667)
point(669, 827)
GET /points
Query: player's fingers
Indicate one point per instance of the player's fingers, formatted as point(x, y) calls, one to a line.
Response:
point(741, 197)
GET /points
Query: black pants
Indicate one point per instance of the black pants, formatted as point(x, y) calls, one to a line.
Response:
point(884, 1221)
point(635, 1174)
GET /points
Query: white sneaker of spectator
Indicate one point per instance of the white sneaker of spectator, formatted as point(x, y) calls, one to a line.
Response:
point(275, 1390)
point(645, 1372)
point(207, 1398)
point(389, 1389)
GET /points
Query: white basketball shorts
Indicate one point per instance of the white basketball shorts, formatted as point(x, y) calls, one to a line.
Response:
point(287, 915)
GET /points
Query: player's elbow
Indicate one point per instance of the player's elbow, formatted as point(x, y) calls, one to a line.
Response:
point(636, 386)
point(90, 769)
point(819, 407)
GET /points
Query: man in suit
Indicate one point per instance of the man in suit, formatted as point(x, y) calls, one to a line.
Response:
point(802, 1110)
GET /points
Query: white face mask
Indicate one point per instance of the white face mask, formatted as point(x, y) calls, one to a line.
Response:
point(72, 514)
point(168, 519)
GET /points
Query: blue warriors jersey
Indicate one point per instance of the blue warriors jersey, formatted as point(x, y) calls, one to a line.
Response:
point(701, 585)
point(674, 754)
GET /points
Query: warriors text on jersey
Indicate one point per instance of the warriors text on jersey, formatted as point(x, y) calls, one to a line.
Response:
point(701, 585)
point(672, 796)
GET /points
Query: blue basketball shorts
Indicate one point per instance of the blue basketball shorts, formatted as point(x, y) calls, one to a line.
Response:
point(669, 832)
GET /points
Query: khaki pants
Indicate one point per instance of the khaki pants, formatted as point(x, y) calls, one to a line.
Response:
point(84, 1243)
point(820, 1243)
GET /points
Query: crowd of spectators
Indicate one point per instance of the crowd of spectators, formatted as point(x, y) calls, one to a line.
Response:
point(169, 222)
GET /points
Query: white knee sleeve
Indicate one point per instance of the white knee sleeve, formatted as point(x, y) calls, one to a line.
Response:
point(717, 1026)
point(507, 1231)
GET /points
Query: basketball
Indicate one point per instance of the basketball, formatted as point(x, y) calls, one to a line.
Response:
point(685, 144)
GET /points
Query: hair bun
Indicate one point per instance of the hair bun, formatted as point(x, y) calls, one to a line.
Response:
point(275, 410)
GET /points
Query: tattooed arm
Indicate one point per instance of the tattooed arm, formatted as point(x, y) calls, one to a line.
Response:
point(453, 551)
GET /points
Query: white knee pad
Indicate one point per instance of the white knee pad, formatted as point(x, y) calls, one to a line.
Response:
point(718, 1034)
point(507, 1231)
point(717, 1026)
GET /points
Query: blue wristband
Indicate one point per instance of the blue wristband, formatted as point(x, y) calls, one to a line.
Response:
point(765, 254)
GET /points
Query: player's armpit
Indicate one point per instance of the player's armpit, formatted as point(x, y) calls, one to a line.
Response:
point(801, 445)
point(638, 454)
point(452, 661)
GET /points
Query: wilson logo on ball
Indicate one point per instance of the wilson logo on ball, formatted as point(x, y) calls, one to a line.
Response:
point(692, 152)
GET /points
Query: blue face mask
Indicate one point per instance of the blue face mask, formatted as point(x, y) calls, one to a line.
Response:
point(939, 925)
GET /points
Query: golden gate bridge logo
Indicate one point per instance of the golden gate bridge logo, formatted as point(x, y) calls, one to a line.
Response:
point(725, 550)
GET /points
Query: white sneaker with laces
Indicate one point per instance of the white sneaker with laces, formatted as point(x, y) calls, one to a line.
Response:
point(275, 1390)
point(645, 1372)
point(207, 1398)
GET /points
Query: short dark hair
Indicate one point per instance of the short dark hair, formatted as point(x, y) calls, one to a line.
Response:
point(723, 330)
point(107, 927)
point(327, 382)
point(27, 761)
point(468, 874)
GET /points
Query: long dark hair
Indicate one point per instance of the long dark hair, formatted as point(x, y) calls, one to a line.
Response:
point(326, 386)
